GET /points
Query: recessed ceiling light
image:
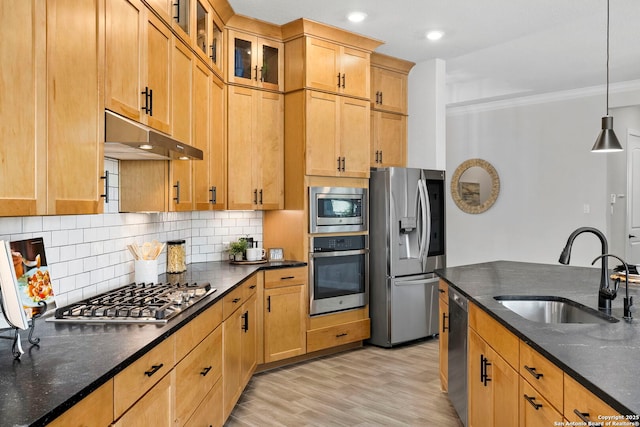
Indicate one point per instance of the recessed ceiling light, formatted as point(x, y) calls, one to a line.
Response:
point(435, 35)
point(356, 16)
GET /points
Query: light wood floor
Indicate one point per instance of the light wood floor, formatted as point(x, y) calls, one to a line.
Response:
point(370, 386)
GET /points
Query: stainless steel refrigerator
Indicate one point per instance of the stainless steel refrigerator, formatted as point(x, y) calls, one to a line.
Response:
point(407, 243)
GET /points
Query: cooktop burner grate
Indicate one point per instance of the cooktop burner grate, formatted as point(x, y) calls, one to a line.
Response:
point(135, 303)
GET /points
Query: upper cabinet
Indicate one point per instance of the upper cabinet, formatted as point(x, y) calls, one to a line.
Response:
point(51, 108)
point(207, 40)
point(389, 81)
point(138, 64)
point(327, 59)
point(255, 61)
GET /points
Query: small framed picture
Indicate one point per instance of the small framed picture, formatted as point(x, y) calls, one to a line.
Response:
point(276, 254)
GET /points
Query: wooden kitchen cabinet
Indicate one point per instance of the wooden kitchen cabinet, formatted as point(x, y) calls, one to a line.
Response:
point(443, 337)
point(138, 64)
point(577, 399)
point(388, 139)
point(95, 409)
point(209, 412)
point(255, 149)
point(337, 135)
point(545, 377)
point(534, 409)
point(255, 61)
point(239, 342)
point(389, 83)
point(207, 39)
point(155, 408)
point(285, 313)
point(210, 173)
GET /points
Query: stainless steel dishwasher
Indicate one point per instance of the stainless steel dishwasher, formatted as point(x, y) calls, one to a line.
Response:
point(457, 380)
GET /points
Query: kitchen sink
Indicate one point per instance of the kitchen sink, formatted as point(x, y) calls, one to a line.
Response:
point(551, 309)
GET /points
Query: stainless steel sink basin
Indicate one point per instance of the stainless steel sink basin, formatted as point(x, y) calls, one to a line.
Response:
point(550, 309)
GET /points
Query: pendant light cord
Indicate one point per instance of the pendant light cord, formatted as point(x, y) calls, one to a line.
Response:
point(607, 57)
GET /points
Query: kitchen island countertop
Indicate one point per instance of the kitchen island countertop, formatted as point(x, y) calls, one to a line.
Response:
point(605, 358)
point(74, 359)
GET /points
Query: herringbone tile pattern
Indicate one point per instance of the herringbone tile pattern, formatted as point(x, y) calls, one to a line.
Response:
point(370, 386)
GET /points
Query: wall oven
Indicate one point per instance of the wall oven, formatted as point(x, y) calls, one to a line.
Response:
point(337, 209)
point(338, 273)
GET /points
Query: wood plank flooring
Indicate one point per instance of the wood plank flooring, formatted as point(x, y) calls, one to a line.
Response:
point(370, 386)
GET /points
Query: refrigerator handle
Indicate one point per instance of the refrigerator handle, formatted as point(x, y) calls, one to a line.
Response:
point(426, 219)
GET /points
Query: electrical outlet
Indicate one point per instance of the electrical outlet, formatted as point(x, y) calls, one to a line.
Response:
point(586, 208)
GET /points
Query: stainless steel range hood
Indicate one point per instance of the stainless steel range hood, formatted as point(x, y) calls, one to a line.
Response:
point(129, 140)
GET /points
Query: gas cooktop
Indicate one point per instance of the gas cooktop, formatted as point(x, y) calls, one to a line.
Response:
point(135, 303)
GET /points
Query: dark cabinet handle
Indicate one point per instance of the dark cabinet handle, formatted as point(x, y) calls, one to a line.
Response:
point(380, 156)
point(441, 290)
point(287, 277)
point(154, 369)
point(260, 196)
point(344, 334)
point(105, 196)
point(532, 401)
point(177, 6)
point(151, 102)
point(146, 108)
point(343, 164)
point(269, 304)
point(338, 164)
point(252, 287)
point(380, 98)
point(213, 52)
point(377, 156)
point(245, 325)
point(533, 372)
point(444, 322)
point(484, 377)
point(205, 371)
point(584, 416)
point(261, 73)
point(255, 196)
point(343, 80)
point(235, 300)
point(338, 79)
point(214, 195)
point(177, 187)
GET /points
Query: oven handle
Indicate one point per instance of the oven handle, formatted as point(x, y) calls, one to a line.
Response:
point(337, 253)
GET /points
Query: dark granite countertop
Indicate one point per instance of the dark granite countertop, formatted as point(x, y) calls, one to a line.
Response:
point(74, 359)
point(602, 357)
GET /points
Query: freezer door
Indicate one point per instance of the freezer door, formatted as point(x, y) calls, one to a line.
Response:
point(414, 308)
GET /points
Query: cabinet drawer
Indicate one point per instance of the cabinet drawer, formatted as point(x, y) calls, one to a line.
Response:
point(543, 375)
point(130, 384)
point(535, 410)
point(497, 336)
point(285, 277)
point(195, 331)
point(249, 287)
point(209, 413)
point(443, 290)
point(232, 301)
point(95, 409)
point(332, 336)
point(577, 398)
point(197, 374)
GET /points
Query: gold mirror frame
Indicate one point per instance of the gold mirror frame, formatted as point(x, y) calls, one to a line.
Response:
point(455, 181)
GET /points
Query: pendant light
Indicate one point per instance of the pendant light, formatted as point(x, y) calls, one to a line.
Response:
point(607, 141)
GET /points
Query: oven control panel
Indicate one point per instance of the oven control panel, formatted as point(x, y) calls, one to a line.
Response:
point(338, 243)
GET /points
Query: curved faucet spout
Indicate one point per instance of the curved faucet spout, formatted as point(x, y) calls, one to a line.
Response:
point(605, 293)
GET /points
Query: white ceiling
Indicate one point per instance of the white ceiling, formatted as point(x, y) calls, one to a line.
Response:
point(494, 49)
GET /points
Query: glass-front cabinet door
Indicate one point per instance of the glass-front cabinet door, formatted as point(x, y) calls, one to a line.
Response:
point(202, 27)
point(207, 38)
point(181, 22)
point(255, 61)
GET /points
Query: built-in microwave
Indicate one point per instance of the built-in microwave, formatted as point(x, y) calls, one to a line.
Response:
point(337, 209)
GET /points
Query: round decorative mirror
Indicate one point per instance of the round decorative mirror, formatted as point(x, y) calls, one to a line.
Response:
point(475, 186)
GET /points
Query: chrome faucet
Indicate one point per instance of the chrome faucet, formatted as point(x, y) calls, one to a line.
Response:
point(628, 301)
point(605, 293)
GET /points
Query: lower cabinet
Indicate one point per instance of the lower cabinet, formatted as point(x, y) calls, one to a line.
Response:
point(443, 337)
point(239, 342)
point(94, 410)
point(209, 413)
point(582, 405)
point(535, 410)
point(156, 408)
point(338, 329)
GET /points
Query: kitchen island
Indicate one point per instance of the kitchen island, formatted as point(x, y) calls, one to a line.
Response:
point(73, 359)
point(601, 357)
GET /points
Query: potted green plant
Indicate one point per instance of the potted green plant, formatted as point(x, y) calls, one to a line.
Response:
point(237, 249)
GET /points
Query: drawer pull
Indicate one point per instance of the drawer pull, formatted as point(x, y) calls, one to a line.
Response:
point(584, 416)
point(252, 287)
point(441, 290)
point(444, 322)
point(205, 371)
point(484, 376)
point(533, 372)
point(287, 277)
point(154, 369)
point(344, 334)
point(532, 401)
point(235, 300)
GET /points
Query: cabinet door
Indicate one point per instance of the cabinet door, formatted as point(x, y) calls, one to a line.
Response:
point(209, 413)
point(181, 11)
point(124, 57)
point(534, 409)
point(242, 58)
point(354, 137)
point(270, 63)
point(156, 408)
point(181, 191)
point(158, 73)
point(322, 65)
point(355, 73)
point(480, 412)
point(577, 399)
point(218, 150)
point(94, 410)
point(75, 107)
point(389, 139)
point(284, 323)
point(232, 359)
point(322, 134)
point(162, 8)
point(268, 160)
point(22, 108)
point(249, 358)
point(389, 90)
point(241, 120)
point(443, 342)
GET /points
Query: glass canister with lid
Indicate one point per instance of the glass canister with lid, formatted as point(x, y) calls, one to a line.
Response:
point(176, 256)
